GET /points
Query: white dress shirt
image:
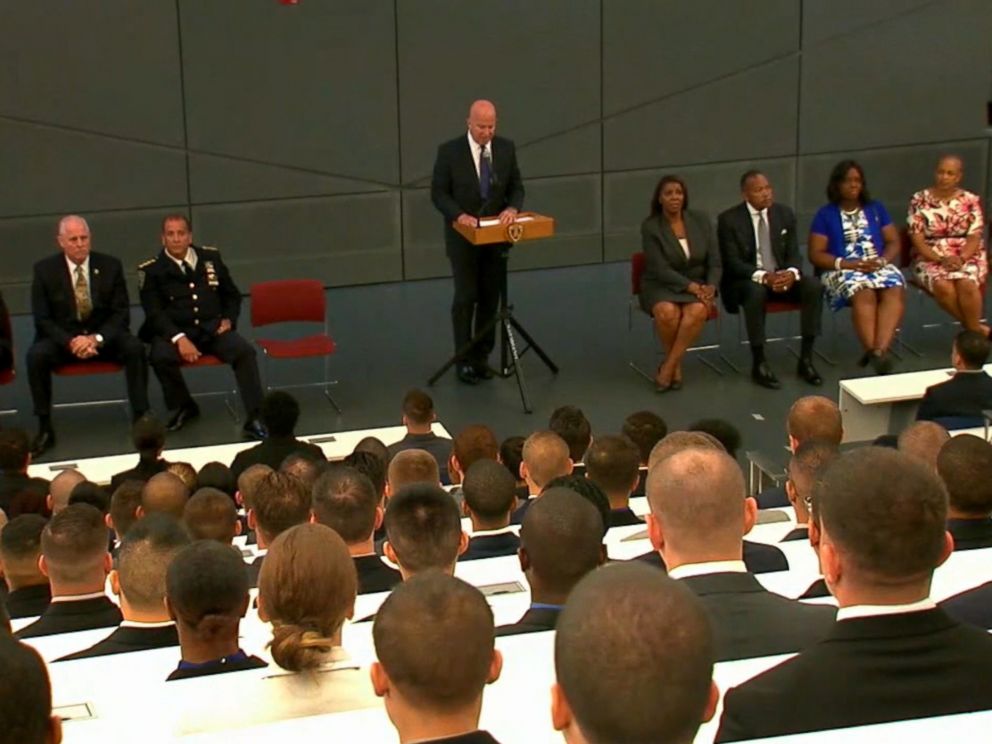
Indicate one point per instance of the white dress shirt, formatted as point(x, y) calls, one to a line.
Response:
point(703, 569)
point(759, 274)
point(854, 611)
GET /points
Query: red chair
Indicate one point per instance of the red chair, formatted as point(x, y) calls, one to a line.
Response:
point(85, 369)
point(294, 301)
point(7, 376)
point(776, 307)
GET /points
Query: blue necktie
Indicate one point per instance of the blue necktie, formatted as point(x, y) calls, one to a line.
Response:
point(484, 176)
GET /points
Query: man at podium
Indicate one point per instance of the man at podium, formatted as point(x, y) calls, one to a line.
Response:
point(475, 175)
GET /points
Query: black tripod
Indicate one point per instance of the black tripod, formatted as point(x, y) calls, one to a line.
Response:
point(509, 365)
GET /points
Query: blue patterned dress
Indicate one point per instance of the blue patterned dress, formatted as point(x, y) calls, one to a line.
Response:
point(842, 285)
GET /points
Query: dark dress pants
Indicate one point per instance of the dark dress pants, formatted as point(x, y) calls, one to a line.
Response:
point(753, 296)
point(477, 273)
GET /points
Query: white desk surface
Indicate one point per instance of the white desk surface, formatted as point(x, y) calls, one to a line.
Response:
point(896, 388)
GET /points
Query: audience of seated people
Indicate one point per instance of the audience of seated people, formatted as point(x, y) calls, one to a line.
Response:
point(25, 696)
point(475, 442)
point(15, 457)
point(723, 431)
point(60, 489)
point(219, 476)
point(922, 441)
point(571, 424)
point(90, 493)
point(805, 466)
point(279, 501)
point(165, 493)
point(304, 466)
point(210, 514)
point(423, 530)
point(965, 465)
point(645, 429)
point(587, 489)
point(958, 403)
point(545, 457)
point(614, 464)
point(409, 467)
point(490, 497)
point(148, 437)
point(511, 454)
point(185, 472)
point(28, 590)
point(279, 413)
point(418, 416)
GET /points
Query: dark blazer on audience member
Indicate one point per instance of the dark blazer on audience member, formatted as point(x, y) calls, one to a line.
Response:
point(868, 670)
point(624, 517)
point(216, 667)
point(491, 546)
point(272, 452)
point(642, 482)
point(973, 606)
point(128, 639)
point(473, 737)
point(758, 557)
point(253, 568)
point(68, 617)
point(749, 621)
point(439, 447)
point(801, 532)
point(773, 498)
point(13, 483)
point(970, 534)
point(374, 575)
point(965, 394)
point(28, 601)
point(816, 590)
point(143, 471)
point(667, 272)
point(534, 620)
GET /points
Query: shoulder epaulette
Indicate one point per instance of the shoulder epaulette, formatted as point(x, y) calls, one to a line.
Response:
point(213, 248)
point(145, 264)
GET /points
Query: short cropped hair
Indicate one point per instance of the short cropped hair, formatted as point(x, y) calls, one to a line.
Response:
point(815, 417)
point(280, 501)
point(562, 536)
point(725, 433)
point(90, 493)
point(185, 472)
point(303, 466)
point(748, 175)
point(434, 636)
point(74, 543)
point(973, 348)
point(279, 412)
point(678, 441)
point(148, 436)
point(645, 429)
point(571, 424)
point(372, 467)
point(489, 490)
point(25, 694)
point(20, 545)
point(587, 489)
point(424, 527)
point(210, 515)
point(418, 407)
point(176, 217)
point(511, 454)
point(207, 588)
point(546, 456)
point(61, 486)
point(14, 449)
point(412, 466)
point(219, 476)
point(475, 442)
point(922, 441)
point(613, 463)
point(965, 466)
point(807, 464)
point(166, 493)
point(249, 479)
point(144, 557)
point(345, 500)
point(124, 505)
point(373, 445)
point(634, 656)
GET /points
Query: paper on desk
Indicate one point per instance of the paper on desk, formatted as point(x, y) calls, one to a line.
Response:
point(495, 221)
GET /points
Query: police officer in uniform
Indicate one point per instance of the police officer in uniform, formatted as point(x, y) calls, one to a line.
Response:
point(191, 308)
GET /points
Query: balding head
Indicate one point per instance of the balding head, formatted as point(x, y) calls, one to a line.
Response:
point(142, 562)
point(814, 417)
point(164, 493)
point(545, 457)
point(922, 441)
point(482, 121)
point(805, 467)
point(248, 482)
point(74, 551)
point(61, 488)
point(682, 440)
point(409, 467)
point(965, 466)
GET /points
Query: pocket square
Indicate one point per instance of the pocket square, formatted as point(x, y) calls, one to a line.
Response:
point(784, 231)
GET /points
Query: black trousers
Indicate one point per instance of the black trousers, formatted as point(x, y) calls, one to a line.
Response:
point(44, 355)
point(478, 273)
point(231, 348)
point(752, 297)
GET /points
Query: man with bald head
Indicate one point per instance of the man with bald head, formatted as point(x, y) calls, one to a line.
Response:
point(81, 312)
point(409, 467)
point(922, 441)
point(164, 493)
point(699, 516)
point(476, 175)
point(544, 457)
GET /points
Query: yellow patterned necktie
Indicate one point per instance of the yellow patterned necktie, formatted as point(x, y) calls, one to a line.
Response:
point(83, 304)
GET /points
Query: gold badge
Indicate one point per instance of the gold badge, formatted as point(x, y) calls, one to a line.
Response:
point(514, 231)
point(212, 280)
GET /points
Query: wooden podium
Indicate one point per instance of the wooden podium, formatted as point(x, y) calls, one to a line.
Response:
point(527, 226)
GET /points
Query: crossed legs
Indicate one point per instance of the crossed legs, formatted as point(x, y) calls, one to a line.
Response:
point(678, 325)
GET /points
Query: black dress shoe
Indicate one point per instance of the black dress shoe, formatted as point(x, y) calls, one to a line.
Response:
point(482, 371)
point(180, 417)
point(763, 375)
point(807, 372)
point(883, 363)
point(43, 442)
point(254, 428)
point(466, 373)
point(866, 358)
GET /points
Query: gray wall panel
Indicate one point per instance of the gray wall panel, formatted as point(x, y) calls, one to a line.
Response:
point(574, 152)
point(824, 19)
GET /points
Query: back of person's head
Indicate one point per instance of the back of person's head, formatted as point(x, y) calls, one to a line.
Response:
point(185, 472)
point(148, 436)
point(206, 589)
point(634, 659)
point(90, 493)
point(922, 441)
point(143, 561)
point(697, 499)
point(20, 548)
point(645, 429)
point(806, 465)
point(346, 501)
point(972, 348)
point(434, 640)
point(61, 487)
point(373, 445)
point(511, 454)
point(164, 493)
point(124, 505)
point(210, 515)
point(965, 466)
point(15, 450)
point(248, 482)
point(725, 433)
point(74, 546)
point(473, 443)
point(678, 441)
point(306, 589)
point(571, 424)
point(545, 457)
point(815, 417)
point(418, 409)
point(280, 501)
point(613, 463)
point(217, 475)
point(561, 540)
point(490, 493)
point(279, 412)
point(303, 466)
point(423, 528)
point(587, 489)
point(372, 467)
point(412, 466)
point(25, 696)
point(885, 514)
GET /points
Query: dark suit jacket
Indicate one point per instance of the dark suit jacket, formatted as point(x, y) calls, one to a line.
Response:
point(816, 590)
point(749, 621)
point(455, 183)
point(6, 338)
point(973, 606)
point(13, 483)
point(491, 546)
point(868, 670)
point(439, 447)
point(473, 737)
point(252, 662)
point(965, 394)
point(970, 534)
point(128, 639)
point(799, 533)
point(30, 601)
point(53, 300)
point(772, 498)
point(739, 250)
point(518, 515)
point(667, 272)
point(758, 557)
point(68, 617)
point(272, 452)
point(623, 518)
point(143, 471)
point(533, 621)
point(374, 575)
point(253, 569)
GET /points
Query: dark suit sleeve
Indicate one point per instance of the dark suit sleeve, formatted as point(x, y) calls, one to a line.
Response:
point(657, 264)
point(733, 721)
point(732, 251)
point(153, 301)
point(119, 319)
point(442, 190)
point(230, 295)
point(515, 185)
point(928, 409)
point(41, 309)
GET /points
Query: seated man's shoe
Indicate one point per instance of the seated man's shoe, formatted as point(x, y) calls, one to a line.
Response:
point(482, 371)
point(254, 428)
point(182, 416)
point(43, 442)
point(763, 375)
point(466, 373)
point(807, 372)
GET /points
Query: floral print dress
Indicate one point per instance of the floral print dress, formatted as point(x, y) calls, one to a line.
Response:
point(946, 227)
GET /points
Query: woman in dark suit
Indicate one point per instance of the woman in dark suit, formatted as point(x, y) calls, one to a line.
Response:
point(681, 275)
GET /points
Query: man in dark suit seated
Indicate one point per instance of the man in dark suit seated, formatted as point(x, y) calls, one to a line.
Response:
point(561, 540)
point(26, 696)
point(698, 516)
point(922, 441)
point(15, 457)
point(210, 515)
point(625, 622)
point(139, 582)
point(893, 654)
point(74, 557)
point(423, 530)
point(20, 548)
point(571, 424)
point(280, 501)
point(164, 493)
point(148, 437)
point(436, 653)
point(613, 463)
point(418, 415)
point(490, 495)
point(645, 429)
point(346, 501)
point(965, 466)
point(279, 414)
point(960, 400)
point(81, 311)
point(973, 606)
point(206, 594)
point(805, 466)
point(545, 457)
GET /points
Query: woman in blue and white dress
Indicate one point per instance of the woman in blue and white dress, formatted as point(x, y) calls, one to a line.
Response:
point(853, 242)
